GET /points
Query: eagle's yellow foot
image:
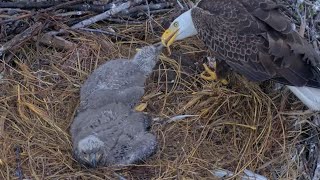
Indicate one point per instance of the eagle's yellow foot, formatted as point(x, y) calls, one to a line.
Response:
point(212, 76)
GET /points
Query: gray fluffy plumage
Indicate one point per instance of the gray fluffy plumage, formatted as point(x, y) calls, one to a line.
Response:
point(106, 129)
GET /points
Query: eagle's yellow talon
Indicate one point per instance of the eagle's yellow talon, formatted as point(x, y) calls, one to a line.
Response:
point(212, 75)
point(208, 78)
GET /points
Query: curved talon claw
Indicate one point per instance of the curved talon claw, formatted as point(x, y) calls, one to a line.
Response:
point(212, 75)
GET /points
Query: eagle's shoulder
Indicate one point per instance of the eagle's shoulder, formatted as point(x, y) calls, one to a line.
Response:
point(255, 38)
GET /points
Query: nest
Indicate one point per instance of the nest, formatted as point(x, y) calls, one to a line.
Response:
point(236, 127)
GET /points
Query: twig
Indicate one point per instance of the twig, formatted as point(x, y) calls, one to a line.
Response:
point(29, 5)
point(173, 119)
point(180, 117)
point(62, 5)
point(103, 16)
point(180, 5)
point(123, 21)
point(149, 16)
point(15, 18)
point(160, 11)
point(103, 32)
point(51, 5)
point(72, 13)
point(149, 7)
point(246, 175)
point(20, 38)
point(119, 176)
point(99, 17)
point(316, 145)
point(2, 121)
point(19, 173)
point(13, 11)
point(90, 7)
point(56, 41)
point(316, 174)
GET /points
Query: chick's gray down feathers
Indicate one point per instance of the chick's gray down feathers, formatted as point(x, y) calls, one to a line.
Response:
point(257, 40)
point(106, 130)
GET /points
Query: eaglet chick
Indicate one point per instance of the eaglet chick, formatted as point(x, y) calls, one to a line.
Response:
point(106, 130)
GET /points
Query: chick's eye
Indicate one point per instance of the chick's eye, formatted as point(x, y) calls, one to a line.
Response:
point(175, 24)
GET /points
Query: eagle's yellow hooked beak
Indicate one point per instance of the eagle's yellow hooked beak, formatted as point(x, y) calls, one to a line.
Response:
point(169, 36)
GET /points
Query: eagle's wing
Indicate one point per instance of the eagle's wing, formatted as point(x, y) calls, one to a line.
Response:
point(256, 40)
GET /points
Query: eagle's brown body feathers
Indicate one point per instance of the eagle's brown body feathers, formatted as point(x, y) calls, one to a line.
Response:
point(255, 39)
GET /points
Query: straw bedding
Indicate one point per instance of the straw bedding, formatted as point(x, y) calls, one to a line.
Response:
point(239, 126)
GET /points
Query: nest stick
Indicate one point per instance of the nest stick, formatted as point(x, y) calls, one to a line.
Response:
point(104, 15)
point(20, 38)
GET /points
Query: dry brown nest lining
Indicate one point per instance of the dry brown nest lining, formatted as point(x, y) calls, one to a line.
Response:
point(238, 127)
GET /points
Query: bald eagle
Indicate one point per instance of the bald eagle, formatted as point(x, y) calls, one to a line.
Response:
point(256, 40)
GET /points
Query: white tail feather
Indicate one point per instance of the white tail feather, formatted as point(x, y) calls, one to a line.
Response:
point(308, 95)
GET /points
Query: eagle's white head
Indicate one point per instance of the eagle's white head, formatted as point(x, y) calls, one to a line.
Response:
point(181, 28)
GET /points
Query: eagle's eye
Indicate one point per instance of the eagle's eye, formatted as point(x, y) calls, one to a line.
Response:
point(175, 24)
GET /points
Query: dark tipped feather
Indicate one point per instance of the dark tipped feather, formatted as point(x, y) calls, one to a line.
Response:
point(257, 40)
point(274, 19)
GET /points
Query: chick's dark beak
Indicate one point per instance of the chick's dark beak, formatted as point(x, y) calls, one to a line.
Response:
point(159, 46)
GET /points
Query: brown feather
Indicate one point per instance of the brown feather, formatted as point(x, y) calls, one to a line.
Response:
point(257, 40)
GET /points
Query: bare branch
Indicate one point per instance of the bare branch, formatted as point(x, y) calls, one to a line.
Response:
point(29, 5)
point(21, 38)
point(56, 41)
point(104, 15)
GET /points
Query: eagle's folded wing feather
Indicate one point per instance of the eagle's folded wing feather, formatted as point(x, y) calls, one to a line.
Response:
point(258, 41)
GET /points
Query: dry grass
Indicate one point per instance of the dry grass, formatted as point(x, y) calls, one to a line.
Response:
point(238, 127)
